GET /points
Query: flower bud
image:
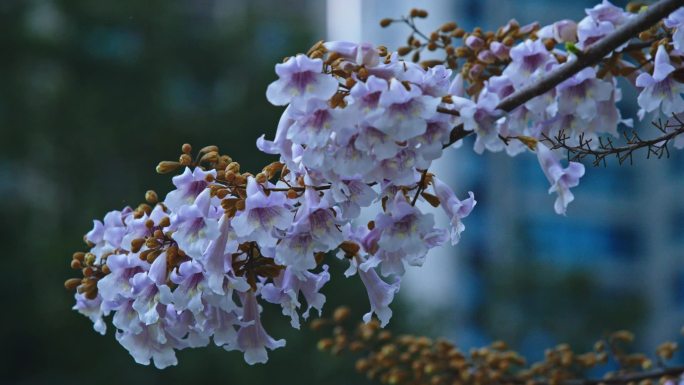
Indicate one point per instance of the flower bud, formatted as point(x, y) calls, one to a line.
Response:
point(72, 283)
point(385, 22)
point(151, 197)
point(185, 160)
point(474, 42)
point(166, 167)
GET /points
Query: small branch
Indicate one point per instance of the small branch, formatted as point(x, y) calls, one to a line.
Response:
point(656, 146)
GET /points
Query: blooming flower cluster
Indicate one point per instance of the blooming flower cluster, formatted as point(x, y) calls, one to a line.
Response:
point(360, 130)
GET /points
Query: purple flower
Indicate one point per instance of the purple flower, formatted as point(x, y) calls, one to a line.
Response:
point(660, 89)
point(376, 143)
point(405, 111)
point(150, 290)
point(366, 95)
point(117, 284)
point(528, 58)
point(454, 208)
point(561, 179)
point(300, 79)
point(92, 309)
point(189, 276)
point(360, 53)
point(196, 225)
point(156, 341)
point(481, 118)
point(252, 339)
point(563, 31)
point(350, 196)
point(315, 229)
point(406, 235)
point(216, 260)
point(380, 295)
point(188, 186)
point(601, 20)
point(676, 21)
point(581, 94)
point(286, 288)
point(261, 215)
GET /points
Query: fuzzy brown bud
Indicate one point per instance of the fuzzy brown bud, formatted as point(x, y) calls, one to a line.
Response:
point(185, 160)
point(72, 283)
point(341, 314)
point(151, 197)
point(384, 23)
point(166, 167)
point(403, 51)
point(261, 177)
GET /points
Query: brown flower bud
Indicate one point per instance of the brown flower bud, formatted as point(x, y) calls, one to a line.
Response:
point(72, 283)
point(448, 27)
point(403, 51)
point(261, 178)
point(166, 167)
point(341, 314)
point(211, 157)
point(210, 148)
point(185, 160)
point(386, 22)
point(186, 148)
point(324, 344)
point(89, 259)
point(240, 205)
point(76, 264)
point(151, 197)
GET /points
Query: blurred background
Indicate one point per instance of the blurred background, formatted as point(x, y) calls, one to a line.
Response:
point(94, 94)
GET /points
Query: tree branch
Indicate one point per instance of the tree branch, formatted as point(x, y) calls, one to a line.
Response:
point(589, 57)
point(593, 54)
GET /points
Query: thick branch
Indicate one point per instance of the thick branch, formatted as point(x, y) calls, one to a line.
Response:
point(590, 57)
point(593, 54)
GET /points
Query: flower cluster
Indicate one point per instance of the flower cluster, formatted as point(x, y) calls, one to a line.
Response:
point(360, 130)
point(197, 266)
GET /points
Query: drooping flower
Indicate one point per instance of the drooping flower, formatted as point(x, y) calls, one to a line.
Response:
point(405, 236)
point(286, 288)
point(252, 338)
point(676, 21)
point(561, 179)
point(455, 209)
point(660, 89)
point(315, 229)
point(380, 294)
